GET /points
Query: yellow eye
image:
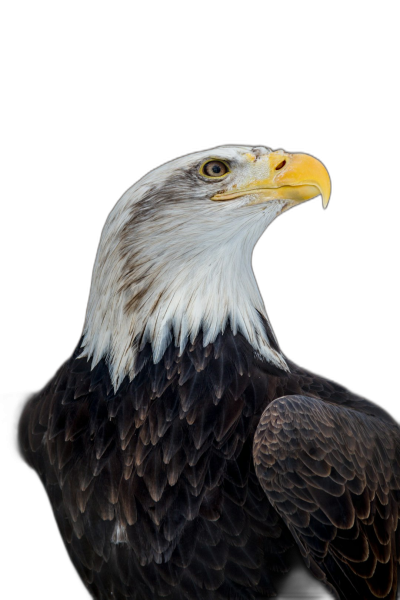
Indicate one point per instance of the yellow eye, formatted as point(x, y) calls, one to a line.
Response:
point(214, 168)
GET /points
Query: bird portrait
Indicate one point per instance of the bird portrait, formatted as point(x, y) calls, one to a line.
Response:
point(184, 454)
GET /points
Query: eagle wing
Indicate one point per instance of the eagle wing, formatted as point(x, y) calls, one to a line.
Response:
point(333, 474)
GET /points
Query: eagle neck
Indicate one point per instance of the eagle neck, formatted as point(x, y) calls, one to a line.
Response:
point(164, 284)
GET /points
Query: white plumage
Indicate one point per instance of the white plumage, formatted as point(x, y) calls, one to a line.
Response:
point(184, 281)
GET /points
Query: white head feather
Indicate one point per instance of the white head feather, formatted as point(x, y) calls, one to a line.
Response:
point(172, 263)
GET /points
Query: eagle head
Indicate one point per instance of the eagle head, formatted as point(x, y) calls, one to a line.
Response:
point(174, 259)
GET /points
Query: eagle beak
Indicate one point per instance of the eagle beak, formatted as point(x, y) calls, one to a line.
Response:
point(297, 177)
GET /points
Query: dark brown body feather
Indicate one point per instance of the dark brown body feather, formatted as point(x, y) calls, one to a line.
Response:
point(154, 488)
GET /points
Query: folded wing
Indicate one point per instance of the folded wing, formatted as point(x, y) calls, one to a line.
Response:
point(333, 474)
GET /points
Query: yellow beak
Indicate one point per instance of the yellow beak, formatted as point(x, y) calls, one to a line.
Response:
point(297, 177)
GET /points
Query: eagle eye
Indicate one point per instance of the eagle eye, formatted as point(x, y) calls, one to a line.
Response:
point(215, 169)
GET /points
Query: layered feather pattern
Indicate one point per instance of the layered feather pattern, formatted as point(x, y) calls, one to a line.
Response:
point(155, 492)
point(333, 474)
point(153, 487)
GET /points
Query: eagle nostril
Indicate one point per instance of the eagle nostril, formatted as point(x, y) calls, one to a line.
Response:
point(281, 165)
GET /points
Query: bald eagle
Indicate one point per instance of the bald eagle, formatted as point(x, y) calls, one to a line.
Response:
point(183, 453)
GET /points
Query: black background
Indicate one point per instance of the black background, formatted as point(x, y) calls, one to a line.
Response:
point(83, 131)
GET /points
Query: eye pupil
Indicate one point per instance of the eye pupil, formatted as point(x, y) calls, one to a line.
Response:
point(215, 168)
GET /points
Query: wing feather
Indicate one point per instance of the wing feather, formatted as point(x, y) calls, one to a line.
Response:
point(332, 473)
